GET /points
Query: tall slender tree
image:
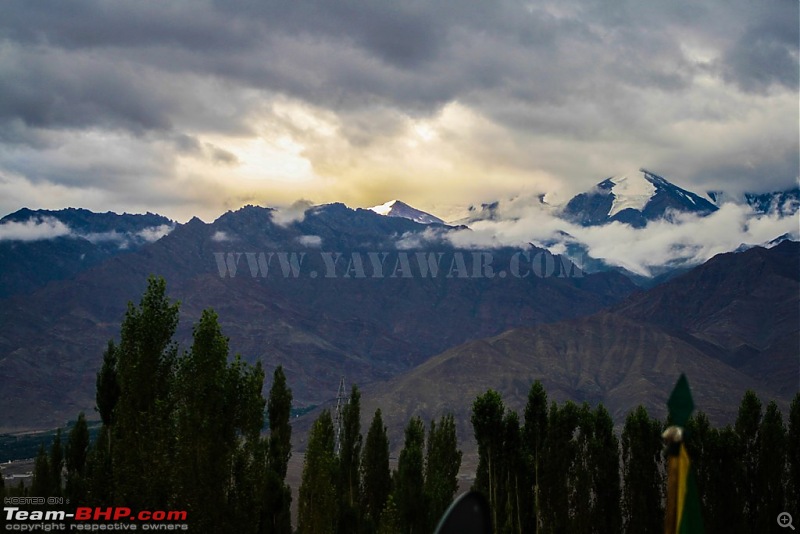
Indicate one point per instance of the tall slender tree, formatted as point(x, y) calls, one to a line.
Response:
point(771, 481)
point(206, 436)
point(277, 517)
point(747, 425)
point(723, 497)
point(534, 433)
point(41, 483)
point(442, 462)
point(76, 451)
point(376, 478)
point(317, 504)
point(409, 480)
point(107, 391)
point(56, 464)
point(349, 481)
point(560, 453)
point(142, 416)
point(487, 423)
point(512, 469)
point(793, 455)
point(642, 468)
point(606, 513)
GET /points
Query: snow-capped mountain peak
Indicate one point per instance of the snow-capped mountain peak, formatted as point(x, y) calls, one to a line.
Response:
point(634, 198)
point(396, 208)
point(630, 190)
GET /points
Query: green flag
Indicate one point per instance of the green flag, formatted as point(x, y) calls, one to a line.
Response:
point(683, 501)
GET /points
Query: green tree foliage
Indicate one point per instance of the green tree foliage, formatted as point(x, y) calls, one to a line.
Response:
point(390, 518)
point(580, 472)
point(278, 495)
point(512, 471)
point(145, 365)
point(747, 425)
point(76, 451)
point(376, 477)
point(700, 440)
point(487, 423)
point(793, 455)
point(349, 481)
point(56, 464)
point(642, 471)
point(722, 496)
point(248, 458)
point(771, 467)
point(560, 453)
point(107, 391)
point(206, 434)
point(99, 471)
point(442, 462)
point(534, 433)
point(409, 480)
point(606, 514)
point(41, 482)
point(317, 505)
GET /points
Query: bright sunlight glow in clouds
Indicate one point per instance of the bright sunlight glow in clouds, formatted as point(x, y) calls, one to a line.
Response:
point(193, 108)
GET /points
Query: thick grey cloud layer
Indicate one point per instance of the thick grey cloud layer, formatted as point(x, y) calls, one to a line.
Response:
point(136, 104)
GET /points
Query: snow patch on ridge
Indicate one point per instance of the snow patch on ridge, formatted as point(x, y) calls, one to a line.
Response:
point(384, 209)
point(631, 190)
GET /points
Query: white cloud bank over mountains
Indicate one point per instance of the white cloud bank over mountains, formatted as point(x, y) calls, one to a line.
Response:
point(42, 228)
point(681, 240)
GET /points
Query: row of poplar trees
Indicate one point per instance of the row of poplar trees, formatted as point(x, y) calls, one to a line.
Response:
point(562, 469)
point(184, 432)
point(353, 491)
point(180, 431)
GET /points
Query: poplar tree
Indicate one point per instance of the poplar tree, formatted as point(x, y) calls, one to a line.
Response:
point(559, 456)
point(747, 425)
point(487, 423)
point(142, 416)
point(349, 481)
point(107, 385)
point(642, 469)
point(278, 495)
point(606, 513)
point(771, 467)
point(56, 464)
point(409, 480)
point(511, 470)
point(245, 502)
point(793, 455)
point(206, 436)
point(534, 433)
point(76, 452)
point(442, 462)
point(41, 480)
point(317, 503)
point(580, 479)
point(723, 503)
point(376, 479)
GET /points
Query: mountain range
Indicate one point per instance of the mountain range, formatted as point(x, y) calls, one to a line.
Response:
point(366, 327)
point(730, 325)
point(634, 198)
point(348, 292)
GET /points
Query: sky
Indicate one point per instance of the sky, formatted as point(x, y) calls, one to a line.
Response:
point(195, 107)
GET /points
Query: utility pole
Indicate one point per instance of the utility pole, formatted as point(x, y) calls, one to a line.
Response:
point(340, 402)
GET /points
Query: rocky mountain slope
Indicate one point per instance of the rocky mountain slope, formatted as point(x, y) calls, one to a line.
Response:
point(321, 323)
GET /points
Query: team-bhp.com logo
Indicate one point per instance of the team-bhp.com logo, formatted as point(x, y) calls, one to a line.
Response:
point(93, 518)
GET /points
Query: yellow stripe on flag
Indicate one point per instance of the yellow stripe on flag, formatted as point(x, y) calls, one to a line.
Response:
point(683, 476)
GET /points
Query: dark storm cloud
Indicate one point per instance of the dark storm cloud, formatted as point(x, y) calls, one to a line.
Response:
point(574, 76)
